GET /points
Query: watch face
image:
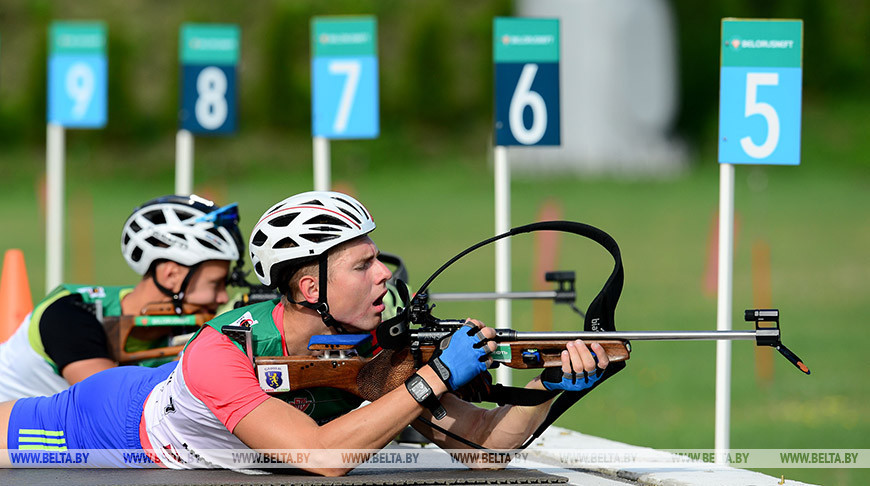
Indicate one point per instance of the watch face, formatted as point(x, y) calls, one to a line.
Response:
point(419, 389)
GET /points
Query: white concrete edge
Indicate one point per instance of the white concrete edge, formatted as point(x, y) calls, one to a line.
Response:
point(546, 449)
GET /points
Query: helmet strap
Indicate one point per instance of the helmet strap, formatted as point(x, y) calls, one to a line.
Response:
point(322, 307)
point(177, 297)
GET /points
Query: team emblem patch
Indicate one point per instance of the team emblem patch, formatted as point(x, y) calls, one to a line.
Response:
point(273, 378)
point(247, 320)
point(93, 292)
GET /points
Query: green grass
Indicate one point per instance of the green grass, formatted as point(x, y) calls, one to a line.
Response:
point(428, 207)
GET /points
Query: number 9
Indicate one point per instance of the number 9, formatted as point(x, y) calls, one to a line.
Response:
point(80, 87)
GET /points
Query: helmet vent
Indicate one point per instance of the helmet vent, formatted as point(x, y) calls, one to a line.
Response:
point(126, 238)
point(259, 269)
point(313, 202)
point(327, 219)
point(183, 215)
point(283, 220)
point(155, 242)
point(318, 237)
point(180, 236)
point(259, 238)
point(135, 227)
point(285, 243)
point(350, 215)
point(156, 217)
point(136, 255)
point(206, 244)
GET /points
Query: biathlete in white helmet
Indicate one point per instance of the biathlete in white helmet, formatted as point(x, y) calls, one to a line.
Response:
point(181, 245)
point(314, 247)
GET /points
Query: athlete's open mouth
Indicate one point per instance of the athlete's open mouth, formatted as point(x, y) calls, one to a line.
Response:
point(380, 300)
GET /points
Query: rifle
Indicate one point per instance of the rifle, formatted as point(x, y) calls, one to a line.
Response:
point(407, 348)
point(157, 320)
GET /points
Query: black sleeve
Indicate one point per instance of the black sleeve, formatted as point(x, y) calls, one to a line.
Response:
point(71, 332)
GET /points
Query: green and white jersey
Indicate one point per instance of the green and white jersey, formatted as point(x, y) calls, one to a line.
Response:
point(26, 369)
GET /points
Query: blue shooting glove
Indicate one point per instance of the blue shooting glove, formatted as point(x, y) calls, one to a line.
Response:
point(460, 356)
point(555, 379)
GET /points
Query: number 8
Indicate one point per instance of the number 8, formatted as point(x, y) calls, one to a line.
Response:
point(211, 104)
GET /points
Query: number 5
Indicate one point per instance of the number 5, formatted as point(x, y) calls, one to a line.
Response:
point(753, 107)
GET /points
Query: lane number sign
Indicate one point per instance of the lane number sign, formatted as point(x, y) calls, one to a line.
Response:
point(209, 54)
point(760, 92)
point(77, 84)
point(526, 56)
point(344, 77)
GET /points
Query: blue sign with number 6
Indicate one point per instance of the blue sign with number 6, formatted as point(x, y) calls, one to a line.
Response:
point(526, 55)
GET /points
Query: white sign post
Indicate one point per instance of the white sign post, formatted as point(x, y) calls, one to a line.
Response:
point(77, 90)
point(526, 56)
point(759, 123)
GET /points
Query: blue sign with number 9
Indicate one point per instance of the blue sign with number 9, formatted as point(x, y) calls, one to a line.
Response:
point(77, 91)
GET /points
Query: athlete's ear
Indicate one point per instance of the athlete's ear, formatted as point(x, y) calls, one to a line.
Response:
point(309, 288)
point(170, 275)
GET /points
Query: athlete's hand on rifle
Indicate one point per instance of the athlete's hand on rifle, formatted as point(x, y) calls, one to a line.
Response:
point(581, 368)
point(464, 354)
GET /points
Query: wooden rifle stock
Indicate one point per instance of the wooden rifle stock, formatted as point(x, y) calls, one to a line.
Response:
point(371, 378)
point(158, 317)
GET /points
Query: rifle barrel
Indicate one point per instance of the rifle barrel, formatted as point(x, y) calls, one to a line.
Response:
point(510, 335)
point(466, 296)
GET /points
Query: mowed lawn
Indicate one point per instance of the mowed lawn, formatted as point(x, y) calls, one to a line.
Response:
point(813, 219)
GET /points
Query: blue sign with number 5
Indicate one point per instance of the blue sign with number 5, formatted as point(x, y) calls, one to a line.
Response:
point(760, 92)
point(760, 116)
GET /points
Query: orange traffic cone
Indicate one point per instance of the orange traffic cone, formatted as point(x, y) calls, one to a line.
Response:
point(15, 299)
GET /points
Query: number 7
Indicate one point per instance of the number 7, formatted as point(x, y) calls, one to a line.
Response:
point(351, 69)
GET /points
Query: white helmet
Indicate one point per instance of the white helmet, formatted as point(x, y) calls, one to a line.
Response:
point(184, 229)
point(302, 227)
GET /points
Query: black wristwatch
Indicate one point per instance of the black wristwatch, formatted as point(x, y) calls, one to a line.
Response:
point(422, 392)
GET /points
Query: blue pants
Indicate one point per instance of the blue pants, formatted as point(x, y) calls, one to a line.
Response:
point(101, 412)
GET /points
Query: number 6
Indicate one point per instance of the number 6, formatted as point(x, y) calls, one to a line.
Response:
point(524, 96)
point(753, 107)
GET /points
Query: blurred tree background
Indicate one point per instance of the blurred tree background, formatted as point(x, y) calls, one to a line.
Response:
point(435, 56)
